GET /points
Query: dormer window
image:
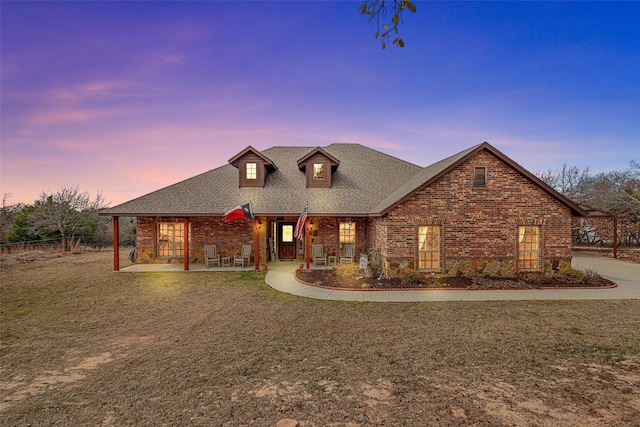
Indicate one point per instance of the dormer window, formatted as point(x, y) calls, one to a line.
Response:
point(253, 167)
point(252, 171)
point(318, 171)
point(318, 166)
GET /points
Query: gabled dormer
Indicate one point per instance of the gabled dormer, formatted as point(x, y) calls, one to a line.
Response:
point(253, 167)
point(318, 166)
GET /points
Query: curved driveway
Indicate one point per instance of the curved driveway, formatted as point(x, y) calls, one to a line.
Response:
point(625, 274)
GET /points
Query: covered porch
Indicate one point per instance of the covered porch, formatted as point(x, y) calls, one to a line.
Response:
point(271, 239)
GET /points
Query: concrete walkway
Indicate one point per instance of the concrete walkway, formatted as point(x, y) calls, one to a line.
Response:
point(625, 274)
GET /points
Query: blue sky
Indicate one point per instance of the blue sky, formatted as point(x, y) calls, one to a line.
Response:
point(128, 97)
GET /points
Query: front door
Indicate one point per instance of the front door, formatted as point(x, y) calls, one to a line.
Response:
point(286, 241)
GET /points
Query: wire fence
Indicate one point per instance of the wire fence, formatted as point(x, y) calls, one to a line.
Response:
point(93, 243)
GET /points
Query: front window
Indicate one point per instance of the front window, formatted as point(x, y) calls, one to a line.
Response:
point(528, 247)
point(347, 233)
point(251, 171)
point(429, 247)
point(170, 239)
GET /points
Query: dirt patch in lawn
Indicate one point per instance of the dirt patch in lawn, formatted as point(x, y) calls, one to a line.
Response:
point(331, 278)
point(82, 345)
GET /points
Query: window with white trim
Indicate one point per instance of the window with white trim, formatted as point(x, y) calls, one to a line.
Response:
point(429, 247)
point(528, 247)
point(252, 171)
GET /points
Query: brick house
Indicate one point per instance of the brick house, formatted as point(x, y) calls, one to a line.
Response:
point(477, 210)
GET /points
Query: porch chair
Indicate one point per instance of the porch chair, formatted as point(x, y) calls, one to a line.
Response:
point(245, 254)
point(318, 255)
point(348, 254)
point(211, 256)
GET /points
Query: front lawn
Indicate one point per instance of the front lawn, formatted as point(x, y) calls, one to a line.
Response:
point(82, 345)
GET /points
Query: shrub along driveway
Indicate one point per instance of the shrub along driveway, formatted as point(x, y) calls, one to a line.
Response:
point(82, 345)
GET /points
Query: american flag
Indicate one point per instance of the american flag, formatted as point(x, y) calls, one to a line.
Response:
point(299, 231)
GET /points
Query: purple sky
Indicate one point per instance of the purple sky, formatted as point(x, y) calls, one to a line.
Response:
point(128, 97)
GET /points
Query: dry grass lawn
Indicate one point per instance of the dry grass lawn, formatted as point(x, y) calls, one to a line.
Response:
point(82, 345)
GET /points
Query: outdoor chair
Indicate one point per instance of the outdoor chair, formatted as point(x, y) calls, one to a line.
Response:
point(318, 255)
point(211, 256)
point(245, 255)
point(347, 254)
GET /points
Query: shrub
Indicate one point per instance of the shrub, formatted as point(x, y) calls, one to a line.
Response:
point(409, 276)
point(590, 276)
point(348, 270)
point(571, 275)
point(375, 262)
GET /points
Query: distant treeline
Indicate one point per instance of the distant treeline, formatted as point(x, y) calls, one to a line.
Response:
point(616, 193)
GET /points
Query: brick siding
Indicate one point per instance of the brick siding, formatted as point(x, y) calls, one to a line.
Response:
point(228, 236)
point(479, 225)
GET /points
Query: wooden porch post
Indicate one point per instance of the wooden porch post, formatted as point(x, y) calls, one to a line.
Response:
point(256, 243)
point(186, 244)
point(307, 241)
point(615, 236)
point(116, 244)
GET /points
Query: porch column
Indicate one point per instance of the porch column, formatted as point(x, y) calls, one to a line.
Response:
point(307, 241)
point(186, 244)
point(615, 236)
point(116, 244)
point(256, 243)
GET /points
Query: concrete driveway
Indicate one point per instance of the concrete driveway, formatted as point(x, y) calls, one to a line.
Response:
point(626, 275)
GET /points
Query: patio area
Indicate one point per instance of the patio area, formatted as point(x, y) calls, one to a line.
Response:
point(145, 268)
point(277, 265)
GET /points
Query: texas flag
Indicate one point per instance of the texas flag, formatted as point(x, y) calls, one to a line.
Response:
point(239, 212)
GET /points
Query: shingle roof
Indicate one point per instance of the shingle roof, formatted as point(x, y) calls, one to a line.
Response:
point(421, 178)
point(363, 178)
point(366, 183)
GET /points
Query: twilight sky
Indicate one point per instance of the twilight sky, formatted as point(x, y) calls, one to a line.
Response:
point(128, 97)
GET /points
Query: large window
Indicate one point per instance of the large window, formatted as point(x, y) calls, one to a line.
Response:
point(251, 171)
point(528, 247)
point(347, 233)
point(429, 247)
point(170, 239)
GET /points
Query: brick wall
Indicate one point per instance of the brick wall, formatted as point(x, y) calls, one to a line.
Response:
point(326, 231)
point(228, 236)
point(479, 225)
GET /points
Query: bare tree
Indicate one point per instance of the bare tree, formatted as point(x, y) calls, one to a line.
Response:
point(570, 181)
point(68, 212)
point(617, 192)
